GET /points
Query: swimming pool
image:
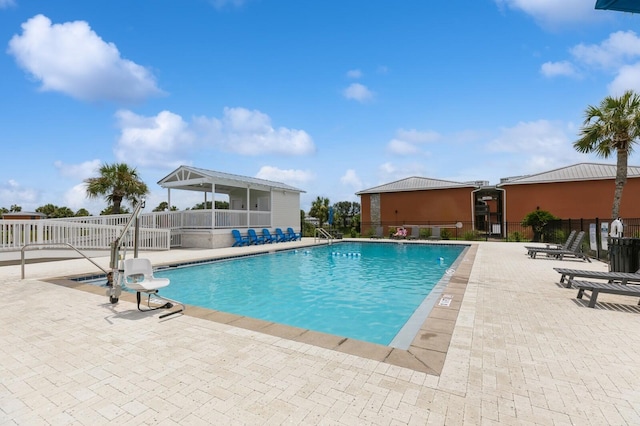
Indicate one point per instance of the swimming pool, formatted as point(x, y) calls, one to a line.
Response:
point(365, 291)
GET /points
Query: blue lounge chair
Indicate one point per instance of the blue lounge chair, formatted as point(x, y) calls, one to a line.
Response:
point(268, 238)
point(253, 237)
point(293, 236)
point(240, 240)
point(280, 236)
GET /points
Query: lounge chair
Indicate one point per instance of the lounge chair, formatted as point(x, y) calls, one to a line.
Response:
point(574, 251)
point(138, 276)
point(281, 237)
point(268, 238)
point(415, 233)
point(378, 233)
point(564, 246)
point(293, 236)
point(600, 287)
point(254, 239)
point(240, 240)
point(621, 277)
point(435, 233)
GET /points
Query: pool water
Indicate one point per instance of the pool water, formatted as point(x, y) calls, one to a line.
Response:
point(365, 291)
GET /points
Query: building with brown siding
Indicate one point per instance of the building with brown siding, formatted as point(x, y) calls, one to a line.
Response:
point(582, 190)
point(579, 191)
point(23, 216)
point(416, 201)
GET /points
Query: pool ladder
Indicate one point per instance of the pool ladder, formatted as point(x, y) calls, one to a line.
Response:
point(323, 233)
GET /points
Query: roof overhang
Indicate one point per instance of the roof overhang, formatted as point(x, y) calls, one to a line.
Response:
point(632, 6)
point(194, 179)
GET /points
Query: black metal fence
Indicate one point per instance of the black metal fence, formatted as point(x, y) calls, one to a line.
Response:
point(553, 232)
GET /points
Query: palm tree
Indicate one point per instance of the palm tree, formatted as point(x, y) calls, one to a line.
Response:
point(612, 126)
point(117, 182)
point(320, 210)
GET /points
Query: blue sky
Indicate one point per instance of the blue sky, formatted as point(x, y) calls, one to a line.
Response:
point(329, 96)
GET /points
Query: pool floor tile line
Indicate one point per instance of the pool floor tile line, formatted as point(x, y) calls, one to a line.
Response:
point(522, 351)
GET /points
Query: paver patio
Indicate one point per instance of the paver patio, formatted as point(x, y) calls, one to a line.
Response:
point(523, 350)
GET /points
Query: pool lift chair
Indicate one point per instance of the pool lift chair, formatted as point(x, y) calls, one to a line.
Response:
point(137, 273)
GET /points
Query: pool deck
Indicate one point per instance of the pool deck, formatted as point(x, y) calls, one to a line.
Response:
point(512, 347)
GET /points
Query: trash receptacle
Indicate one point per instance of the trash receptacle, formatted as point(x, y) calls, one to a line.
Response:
point(624, 254)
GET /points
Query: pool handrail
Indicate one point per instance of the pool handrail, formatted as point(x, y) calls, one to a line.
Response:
point(323, 233)
point(22, 259)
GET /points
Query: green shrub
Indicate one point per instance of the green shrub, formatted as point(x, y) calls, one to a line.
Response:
point(425, 233)
point(516, 237)
point(353, 233)
point(445, 234)
point(472, 235)
point(539, 221)
point(558, 236)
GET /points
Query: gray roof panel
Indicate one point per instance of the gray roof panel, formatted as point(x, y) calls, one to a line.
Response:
point(415, 184)
point(576, 172)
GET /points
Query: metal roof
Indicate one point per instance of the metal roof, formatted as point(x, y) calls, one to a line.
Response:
point(619, 5)
point(196, 179)
point(416, 184)
point(576, 172)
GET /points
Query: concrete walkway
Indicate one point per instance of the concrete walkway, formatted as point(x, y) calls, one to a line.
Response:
point(523, 351)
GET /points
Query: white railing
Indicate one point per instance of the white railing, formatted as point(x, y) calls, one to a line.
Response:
point(14, 234)
point(158, 230)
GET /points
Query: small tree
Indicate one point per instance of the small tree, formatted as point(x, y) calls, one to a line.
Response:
point(320, 210)
point(538, 220)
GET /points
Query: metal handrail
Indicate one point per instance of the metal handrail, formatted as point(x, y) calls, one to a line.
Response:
point(115, 245)
point(22, 262)
point(324, 233)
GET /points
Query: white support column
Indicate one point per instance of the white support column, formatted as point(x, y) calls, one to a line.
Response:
point(213, 205)
point(248, 207)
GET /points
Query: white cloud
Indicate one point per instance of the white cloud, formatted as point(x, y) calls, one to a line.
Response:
point(150, 141)
point(72, 59)
point(7, 3)
point(628, 77)
point(619, 48)
point(76, 198)
point(415, 136)
point(563, 68)
point(350, 178)
point(11, 192)
point(247, 132)
point(537, 145)
point(290, 176)
point(166, 139)
point(78, 171)
point(354, 73)
point(358, 92)
point(618, 54)
point(407, 142)
point(534, 136)
point(400, 147)
point(553, 13)
point(389, 172)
